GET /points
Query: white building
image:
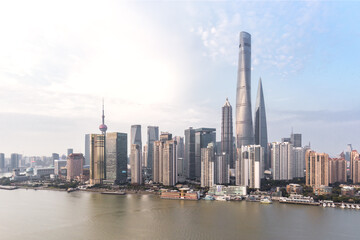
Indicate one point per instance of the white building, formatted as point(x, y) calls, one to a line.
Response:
point(249, 166)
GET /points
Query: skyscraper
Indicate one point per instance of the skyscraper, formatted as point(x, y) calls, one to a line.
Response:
point(244, 126)
point(208, 166)
point(203, 136)
point(87, 149)
point(2, 161)
point(227, 133)
point(116, 157)
point(136, 135)
point(260, 124)
point(317, 169)
point(97, 158)
point(189, 154)
point(249, 166)
point(165, 162)
point(74, 166)
point(295, 139)
point(152, 136)
point(222, 169)
point(135, 163)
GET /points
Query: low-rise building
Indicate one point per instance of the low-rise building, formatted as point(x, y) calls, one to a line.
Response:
point(42, 172)
point(347, 191)
point(294, 188)
point(322, 190)
point(220, 190)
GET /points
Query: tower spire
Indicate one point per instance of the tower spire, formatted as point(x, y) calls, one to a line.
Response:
point(103, 127)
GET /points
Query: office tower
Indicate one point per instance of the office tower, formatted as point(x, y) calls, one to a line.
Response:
point(14, 161)
point(87, 149)
point(136, 135)
point(55, 156)
point(348, 152)
point(227, 133)
point(116, 157)
point(249, 166)
point(260, 124)
point(299, 162)
point(97, 158)
point(355, 166)
point(208, 166)
point(337, 170)
point(189, 154)
point(244, 126)
point(2, 161)
point(295, 139)
point(222, 169)
point(203, 136)
point(152, 136)
point(70, 151)
point(286, 140)
point(317, 166)
point(181, 169)
point(58, 164)
point(135, 164)
point(145, 153)
point(74, 166)
point(179, 146)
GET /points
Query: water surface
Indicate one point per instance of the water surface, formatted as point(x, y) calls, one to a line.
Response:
point(82, 215)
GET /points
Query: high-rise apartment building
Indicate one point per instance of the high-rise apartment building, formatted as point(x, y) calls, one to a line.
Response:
point(116, 157)
point(74, 166)
point(227, 133)
point(165, 161)
point(144, 162)
point(249, 166)
point(244, 126)
point(299, 162)
point(152, 136)
point(208, 166)
point(169, 162)
point(222, 169)
point(260, 124)
point(355, 166)
point(135, 164)
point(97, 158)
point(284, 159)
point(317, 169)
point(337, 170)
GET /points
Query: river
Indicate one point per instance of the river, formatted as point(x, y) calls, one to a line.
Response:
point(42, 214)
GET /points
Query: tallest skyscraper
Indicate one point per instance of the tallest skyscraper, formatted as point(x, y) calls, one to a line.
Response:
point(244, 125)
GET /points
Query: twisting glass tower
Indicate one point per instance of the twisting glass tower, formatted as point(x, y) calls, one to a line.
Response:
point(244, 126)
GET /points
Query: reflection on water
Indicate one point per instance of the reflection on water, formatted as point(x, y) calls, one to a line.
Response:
point(82, 215)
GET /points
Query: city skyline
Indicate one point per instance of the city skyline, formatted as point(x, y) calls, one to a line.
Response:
point(55, 71)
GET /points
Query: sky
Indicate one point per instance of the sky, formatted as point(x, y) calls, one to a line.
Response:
point(172, 64)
